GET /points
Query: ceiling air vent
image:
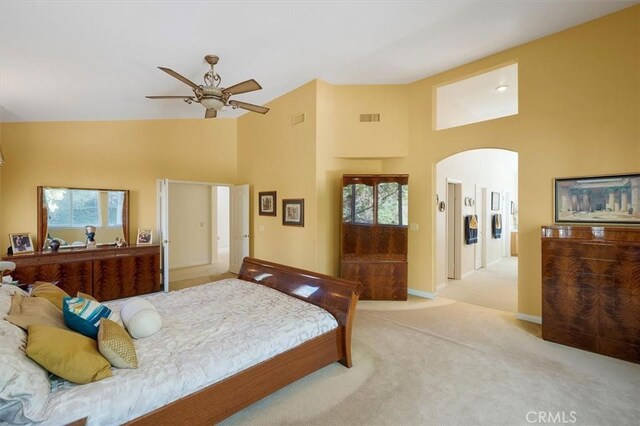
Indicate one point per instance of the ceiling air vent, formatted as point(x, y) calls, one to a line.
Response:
point(369, 118)
point(298, 119)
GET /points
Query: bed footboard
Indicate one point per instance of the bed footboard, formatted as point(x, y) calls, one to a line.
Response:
point(336, 295)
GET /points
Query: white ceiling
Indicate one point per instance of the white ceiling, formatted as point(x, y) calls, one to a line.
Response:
point(96, 60)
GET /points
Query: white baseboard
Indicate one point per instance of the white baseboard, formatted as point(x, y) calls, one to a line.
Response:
point(530, 318)
point(189, 265)
point(423, 294)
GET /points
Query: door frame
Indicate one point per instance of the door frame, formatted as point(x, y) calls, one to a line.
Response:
point(454, 210)
point(162, 210)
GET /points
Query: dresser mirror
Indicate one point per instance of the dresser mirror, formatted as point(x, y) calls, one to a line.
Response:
point(64, 214)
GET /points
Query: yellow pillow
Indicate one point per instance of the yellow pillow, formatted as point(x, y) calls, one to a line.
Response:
point(34, 310)
point(67, 354)
point(50, 292)
point(115, 344)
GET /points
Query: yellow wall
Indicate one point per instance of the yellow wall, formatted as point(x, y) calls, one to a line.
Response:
point(387, 138)
point(275, 155)
point(578, 116)
point(330, 168)
point(120, 155)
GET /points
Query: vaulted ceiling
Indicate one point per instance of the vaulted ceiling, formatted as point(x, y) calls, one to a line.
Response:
point(96, 60)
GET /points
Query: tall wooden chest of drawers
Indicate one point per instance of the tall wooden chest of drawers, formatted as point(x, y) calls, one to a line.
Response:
point(591, 289)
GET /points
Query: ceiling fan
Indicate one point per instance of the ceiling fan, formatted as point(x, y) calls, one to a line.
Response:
point(211, 95)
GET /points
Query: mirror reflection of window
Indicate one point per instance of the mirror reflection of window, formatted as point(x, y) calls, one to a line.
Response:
point(76, 208)
point(116, 204)
point(71, 208)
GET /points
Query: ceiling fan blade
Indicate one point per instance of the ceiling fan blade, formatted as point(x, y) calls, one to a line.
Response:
point(211, 113)
point(171, 97)
point(185, 80)
point(249, 107)
point(244, 87)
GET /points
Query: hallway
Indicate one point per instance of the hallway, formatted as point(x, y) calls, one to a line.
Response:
point(493, 287)
point(180, 278)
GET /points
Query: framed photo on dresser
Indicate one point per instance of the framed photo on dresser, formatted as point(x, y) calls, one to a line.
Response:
point(21, 243)
point(145, 236)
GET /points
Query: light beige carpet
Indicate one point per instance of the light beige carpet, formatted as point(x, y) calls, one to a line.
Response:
point(180, 278)
point(493, 287)
point(452, 363)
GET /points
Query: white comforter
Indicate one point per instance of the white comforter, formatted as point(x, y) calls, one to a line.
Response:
point(209, 332)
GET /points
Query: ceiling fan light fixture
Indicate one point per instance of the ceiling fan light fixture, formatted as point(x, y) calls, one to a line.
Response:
point(212, 103)
point(213, 97)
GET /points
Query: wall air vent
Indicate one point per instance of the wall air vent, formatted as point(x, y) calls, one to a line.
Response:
point(298, 119)
point(369, 118)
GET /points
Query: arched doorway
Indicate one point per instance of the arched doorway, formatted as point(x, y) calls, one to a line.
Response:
point(476, 232)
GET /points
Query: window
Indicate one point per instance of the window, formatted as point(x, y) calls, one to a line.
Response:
point(370, 200)
point(483, 97)
point(393, 203)
point(357, 205)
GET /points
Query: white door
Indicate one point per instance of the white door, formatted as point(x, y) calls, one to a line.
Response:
point(163, 201)
point(239, 226)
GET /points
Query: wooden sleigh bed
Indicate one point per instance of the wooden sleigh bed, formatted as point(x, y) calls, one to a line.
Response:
point(222, 399)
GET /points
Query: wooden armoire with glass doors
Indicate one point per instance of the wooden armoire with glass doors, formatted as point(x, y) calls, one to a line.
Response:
point(374, 233)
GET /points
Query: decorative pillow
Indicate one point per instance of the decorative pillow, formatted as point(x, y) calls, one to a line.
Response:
point(6, 294)
point(50, 292)
point(24, 385)
point(84, 315)
point(140, 317)
point(115, 344)
point(34, 310)
point(66, 354)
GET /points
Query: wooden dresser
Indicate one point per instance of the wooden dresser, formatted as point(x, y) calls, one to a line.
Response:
point(104, 272)
point(591, 289)
point(374, 236)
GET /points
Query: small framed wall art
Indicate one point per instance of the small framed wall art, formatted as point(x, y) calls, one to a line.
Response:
point(145, 236)
point(293, 212)
point(267, 203)
point(21, 243)
point(495, 201)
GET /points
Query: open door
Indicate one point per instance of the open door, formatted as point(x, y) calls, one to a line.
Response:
point(239, 226)
point(163, 209)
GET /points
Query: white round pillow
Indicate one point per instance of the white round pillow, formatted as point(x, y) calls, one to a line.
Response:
point(140, 318)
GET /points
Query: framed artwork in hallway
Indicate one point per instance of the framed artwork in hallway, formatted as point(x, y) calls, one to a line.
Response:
point(598, 199)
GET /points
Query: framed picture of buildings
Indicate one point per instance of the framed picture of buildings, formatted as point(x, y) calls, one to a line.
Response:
point(598, 199)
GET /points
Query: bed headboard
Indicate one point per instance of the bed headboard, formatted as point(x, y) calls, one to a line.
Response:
point(336, 295)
